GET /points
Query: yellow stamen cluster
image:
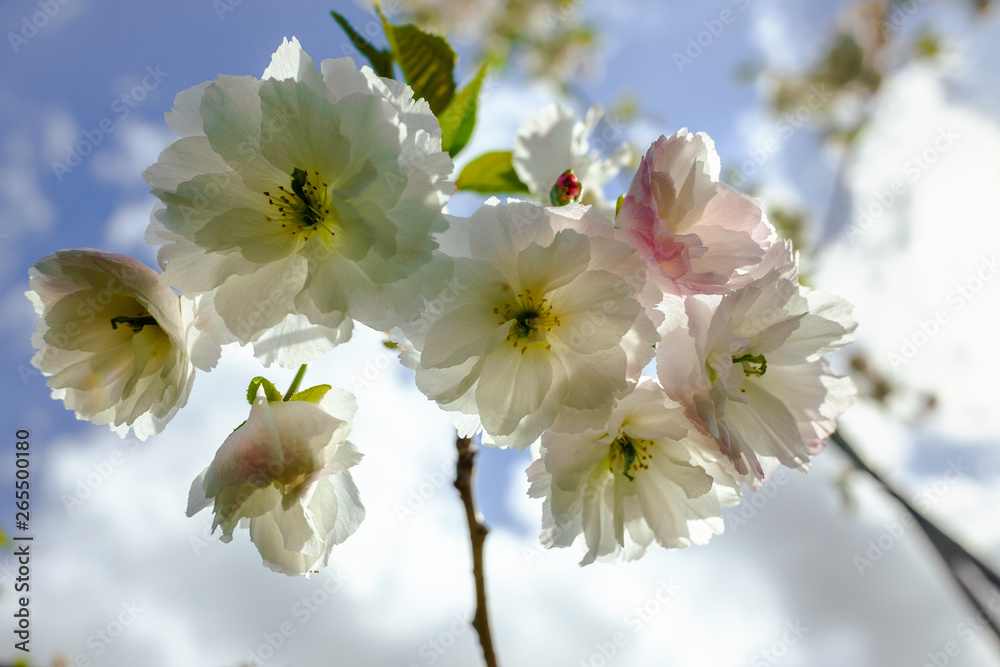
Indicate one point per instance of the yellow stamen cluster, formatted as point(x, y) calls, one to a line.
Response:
point(633, 453)
point(303, 205)
point(291, 479)
point(532, 316)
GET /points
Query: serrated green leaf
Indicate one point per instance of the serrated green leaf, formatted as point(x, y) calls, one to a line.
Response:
point(381, 60)
point(427, 62)
point(459, 118)
point(312, 394)
point(272, 393)
point(491, 173)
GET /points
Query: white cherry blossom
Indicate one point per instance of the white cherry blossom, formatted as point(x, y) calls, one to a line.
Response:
point(117, 343)
point(542, 327)
point(300, 201)
point(647, 476)
point(698, 235)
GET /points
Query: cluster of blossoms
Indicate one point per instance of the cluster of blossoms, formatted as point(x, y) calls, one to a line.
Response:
point(295, 204)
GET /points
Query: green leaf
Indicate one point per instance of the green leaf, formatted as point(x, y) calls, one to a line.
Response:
point(491, 173)
point(273, 395)
point(312, 394)
point(381, 60)
point(459, 118)
point(427, 62)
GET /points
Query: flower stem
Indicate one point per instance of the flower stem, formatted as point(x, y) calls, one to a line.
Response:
point(956, 557)
point(296, 382)
point(477, 532)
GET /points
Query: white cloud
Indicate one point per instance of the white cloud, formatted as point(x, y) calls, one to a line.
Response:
point(41, 21)
point(23, 204)
point(136, 144)
point(18, 315)
point(60, 132)
point(773, 34)
point(790, 34)
point(125, 229)
point(917, 257)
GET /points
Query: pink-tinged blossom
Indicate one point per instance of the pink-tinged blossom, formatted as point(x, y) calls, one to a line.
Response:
point(698, 235)
point(286, 471)
point(749, 370)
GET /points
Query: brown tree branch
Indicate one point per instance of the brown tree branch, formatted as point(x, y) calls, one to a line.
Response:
point(477, 532)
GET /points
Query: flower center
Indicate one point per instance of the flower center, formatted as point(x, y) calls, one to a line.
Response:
point(532, 317)
point(303, 205)
point(752, 364)
point(633, 454)
point(136, 323)
point(294, 479)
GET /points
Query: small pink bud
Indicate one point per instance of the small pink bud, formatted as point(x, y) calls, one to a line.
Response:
point(566, 189)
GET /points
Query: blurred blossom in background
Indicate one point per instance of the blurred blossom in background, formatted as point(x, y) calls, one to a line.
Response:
point(870, 130)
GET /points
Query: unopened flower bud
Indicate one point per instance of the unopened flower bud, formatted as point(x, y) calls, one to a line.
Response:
point(567, 189)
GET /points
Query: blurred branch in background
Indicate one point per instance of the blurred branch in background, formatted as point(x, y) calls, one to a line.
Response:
point(875, 38)
point(872, 40)
point(974, 578)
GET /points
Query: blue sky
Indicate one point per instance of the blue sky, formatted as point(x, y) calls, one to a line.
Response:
point(787, 561)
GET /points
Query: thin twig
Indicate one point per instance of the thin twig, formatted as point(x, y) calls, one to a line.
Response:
point(477, 532)
point(954, 554)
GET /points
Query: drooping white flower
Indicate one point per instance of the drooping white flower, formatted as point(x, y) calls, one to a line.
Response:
point(541, 326)
point(749, 368)
point(286, 470)
point(300, 201)
point(648, 476)
point(553, 142)
point(698, 235)
point(116, 341)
